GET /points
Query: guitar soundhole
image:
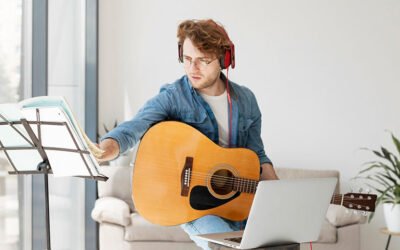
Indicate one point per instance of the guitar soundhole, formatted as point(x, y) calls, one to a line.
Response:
point(222, 182)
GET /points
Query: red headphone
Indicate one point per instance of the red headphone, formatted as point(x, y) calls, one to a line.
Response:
point(228, 59)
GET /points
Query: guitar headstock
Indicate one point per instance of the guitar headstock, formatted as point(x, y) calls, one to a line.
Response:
point(359, 201)
point(356, 201)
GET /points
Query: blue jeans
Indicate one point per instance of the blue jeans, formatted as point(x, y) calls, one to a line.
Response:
point(210, 224)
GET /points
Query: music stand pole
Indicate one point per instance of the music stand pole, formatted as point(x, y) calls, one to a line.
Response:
point(44, 167)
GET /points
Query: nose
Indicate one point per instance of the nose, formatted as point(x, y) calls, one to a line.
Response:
point(194, 64)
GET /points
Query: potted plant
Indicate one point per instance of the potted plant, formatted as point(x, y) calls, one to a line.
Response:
point(384, 177)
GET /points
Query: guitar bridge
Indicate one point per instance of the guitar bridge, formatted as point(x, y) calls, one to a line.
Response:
point(186, 175)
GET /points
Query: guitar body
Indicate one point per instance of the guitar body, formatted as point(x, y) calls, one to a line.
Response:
point(180, 175)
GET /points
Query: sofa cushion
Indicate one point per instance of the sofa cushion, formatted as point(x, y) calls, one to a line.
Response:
point(340, 216)
point(118, 185)
point(142, 230)
point(111, 210)
point(328, 233)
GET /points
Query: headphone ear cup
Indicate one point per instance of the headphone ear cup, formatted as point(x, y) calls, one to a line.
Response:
point(232, 52)
point(180, 53)
point(225, 60)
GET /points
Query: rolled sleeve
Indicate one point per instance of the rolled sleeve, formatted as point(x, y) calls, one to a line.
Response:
point(255, 142)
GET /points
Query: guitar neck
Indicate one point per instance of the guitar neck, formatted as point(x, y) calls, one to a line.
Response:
point(245, 185)
point(351, 201)
point(337, 199)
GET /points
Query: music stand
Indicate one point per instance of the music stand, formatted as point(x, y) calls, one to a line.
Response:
point(33, 142)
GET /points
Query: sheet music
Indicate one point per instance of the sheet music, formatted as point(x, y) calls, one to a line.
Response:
point(52, 135)
point(54, 138)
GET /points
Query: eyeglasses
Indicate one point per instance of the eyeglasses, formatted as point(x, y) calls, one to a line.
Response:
point(199, 62)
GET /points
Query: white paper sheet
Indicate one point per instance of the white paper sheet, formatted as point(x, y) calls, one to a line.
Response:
point(51, 109)
point(66, 164)
point(25, 160)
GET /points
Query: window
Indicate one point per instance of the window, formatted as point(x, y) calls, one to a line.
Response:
point(11, 90)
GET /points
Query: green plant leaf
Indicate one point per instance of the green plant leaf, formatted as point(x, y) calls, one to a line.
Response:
point(398, 165)
point(382, 195)
point(373, 187)
point(390, 157)
point(371, 215)
point(370, 168)
point(386, 155)
point(383, 166)
point(374, 179)
point(397, 191)
point(396, 142)
point(388, 168)
point(382, 177)
point(378, 154)
point(388, 177)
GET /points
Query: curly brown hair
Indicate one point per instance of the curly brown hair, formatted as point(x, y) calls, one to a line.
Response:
point(208, 36)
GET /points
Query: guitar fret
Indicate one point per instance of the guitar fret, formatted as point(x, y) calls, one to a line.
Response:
point(245, 185)
point(250, 186)
point(235, 184)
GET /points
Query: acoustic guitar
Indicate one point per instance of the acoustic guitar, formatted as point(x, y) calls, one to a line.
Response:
point(180, 175)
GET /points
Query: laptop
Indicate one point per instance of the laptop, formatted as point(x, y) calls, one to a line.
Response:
point(283, 212)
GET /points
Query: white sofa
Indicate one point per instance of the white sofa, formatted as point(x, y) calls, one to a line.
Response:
point(123, 229)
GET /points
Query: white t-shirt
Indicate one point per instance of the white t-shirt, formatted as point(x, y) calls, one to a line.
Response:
point(219, 106)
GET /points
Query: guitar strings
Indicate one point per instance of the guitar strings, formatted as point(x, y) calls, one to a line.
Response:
point(196, 174)
point(336, 198)
point(242, 182)
point(251, 185)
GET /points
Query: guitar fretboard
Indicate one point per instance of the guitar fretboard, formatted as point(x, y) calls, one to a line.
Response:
point(337, 199)
point(244, 185)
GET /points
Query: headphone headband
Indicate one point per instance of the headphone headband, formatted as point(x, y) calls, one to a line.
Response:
point(227, 59)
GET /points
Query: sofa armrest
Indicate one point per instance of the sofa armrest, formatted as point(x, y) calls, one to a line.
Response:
point(339, 216)
point(111, 210)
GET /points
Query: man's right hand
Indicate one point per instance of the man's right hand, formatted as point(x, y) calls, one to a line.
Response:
point(110, 150)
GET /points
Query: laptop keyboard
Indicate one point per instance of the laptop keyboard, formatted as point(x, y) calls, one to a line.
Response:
point(236, 239)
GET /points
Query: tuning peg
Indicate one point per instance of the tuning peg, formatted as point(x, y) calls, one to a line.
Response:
point(355, 212)
point(360, 190)
point(364, 213)
point(368, 190)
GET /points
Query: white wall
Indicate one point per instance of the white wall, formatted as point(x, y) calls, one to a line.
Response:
point(326, 73)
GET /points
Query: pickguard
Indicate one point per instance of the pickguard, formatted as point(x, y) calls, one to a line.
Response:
point(202, 199)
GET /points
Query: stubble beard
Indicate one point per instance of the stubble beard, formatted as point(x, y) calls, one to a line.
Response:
point(207, 83)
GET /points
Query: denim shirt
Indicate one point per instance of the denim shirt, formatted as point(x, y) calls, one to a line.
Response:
point(179, 101)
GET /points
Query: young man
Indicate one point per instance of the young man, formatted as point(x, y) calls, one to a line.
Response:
point(225, 112)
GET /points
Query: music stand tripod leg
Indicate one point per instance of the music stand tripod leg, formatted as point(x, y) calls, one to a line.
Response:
point(388, 242)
